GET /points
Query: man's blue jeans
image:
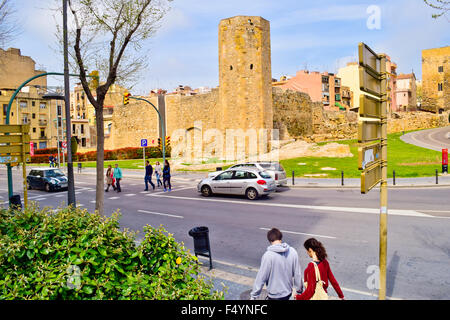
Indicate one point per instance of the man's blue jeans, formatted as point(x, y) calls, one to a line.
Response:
point(147, 180)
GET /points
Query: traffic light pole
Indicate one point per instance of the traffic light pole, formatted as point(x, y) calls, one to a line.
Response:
point(161, 123)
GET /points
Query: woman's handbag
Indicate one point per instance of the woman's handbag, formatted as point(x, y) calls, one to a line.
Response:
point(319, 293)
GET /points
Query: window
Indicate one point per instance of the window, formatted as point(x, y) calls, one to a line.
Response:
point(225, 175)
point(251, 66)
point(42, 105)
point(23, 104)
point(73, 129)
point(33, 115)
point(251, 175)
point(42, 133)
point(82, 128)
point(265, 175)
point(441, 69)
point(83, 142)
point(240, 175)
point(5, 108)
point(33, 103)
point(59, 110)
point(34, 130)
point(440, 87)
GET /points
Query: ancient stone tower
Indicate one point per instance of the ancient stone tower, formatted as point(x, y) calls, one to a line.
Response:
point(245, 76)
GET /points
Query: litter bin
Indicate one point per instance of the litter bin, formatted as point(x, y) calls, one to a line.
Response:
point(15, 202)
point(79, 167)
point(201, 242)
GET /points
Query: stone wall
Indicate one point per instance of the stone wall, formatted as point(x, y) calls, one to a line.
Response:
point(292, 113)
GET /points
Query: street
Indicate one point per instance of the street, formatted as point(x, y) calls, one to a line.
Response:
point(344, 220)
point(434, 139)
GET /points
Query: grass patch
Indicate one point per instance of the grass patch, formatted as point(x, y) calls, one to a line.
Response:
point(407, 160)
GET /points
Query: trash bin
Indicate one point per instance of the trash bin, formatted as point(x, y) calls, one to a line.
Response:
point(79, 167)
point(15, 202)
point(201, 242)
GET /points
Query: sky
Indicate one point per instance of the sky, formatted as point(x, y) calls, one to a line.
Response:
point(315, 35)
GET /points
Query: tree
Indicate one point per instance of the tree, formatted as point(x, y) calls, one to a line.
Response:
point(8, 28)
point(440, 5)
point(108, 36)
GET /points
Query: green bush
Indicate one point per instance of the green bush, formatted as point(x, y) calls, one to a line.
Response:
point(72, 254)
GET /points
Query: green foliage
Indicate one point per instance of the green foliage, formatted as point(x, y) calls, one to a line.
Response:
point(74, 145)
point(72, 254)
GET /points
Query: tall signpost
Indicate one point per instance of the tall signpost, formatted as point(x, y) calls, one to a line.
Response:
point(372, 138)
point(15, 148)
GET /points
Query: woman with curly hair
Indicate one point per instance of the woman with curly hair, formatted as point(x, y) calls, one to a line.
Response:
point(318, 273)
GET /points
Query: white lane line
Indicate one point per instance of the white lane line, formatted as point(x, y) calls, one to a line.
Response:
point(397, 212)
point(161, 214)
point(130, 194)
point(59, 195)
point(113, 198)
point(92, 201)
point(40, 199)
point(301, 233)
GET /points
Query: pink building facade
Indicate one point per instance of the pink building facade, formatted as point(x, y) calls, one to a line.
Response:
point(321, 87)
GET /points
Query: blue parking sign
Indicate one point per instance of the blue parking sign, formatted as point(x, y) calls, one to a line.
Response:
point(143, 142)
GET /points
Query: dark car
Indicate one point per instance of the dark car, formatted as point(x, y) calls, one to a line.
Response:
point(48, 179)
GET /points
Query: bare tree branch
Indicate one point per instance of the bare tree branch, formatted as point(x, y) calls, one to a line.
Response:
point(8, 29)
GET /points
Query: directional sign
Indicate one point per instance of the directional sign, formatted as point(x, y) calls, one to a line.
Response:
point(143, 142)
point(14, 159)
point(14, 139)
point(14, 128)
point(14, 149)
point(370, 107)
point(369, 59)
point(368, 131)
point(369, 82)
point(370, 177)
point(368, 155)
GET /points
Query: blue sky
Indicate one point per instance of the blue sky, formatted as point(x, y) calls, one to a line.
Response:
point(320, 35)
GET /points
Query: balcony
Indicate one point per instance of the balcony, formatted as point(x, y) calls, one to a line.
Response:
point(337, 97)
point(43, 123)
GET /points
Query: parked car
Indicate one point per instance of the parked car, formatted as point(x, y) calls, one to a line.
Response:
point(250, 182)
point(48, 179)
point(274, 169)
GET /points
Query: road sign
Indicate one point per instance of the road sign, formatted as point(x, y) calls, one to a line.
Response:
point(14, 139)
point(369, 59)
point(370, 177)
point(31, 149)
point(14, 149)
point(369, 82)
point(368, 131)
point(370, 107)
point(143, 142)
point(64, 144)
point(14, 159)
point(368, 155)
point(14, 128)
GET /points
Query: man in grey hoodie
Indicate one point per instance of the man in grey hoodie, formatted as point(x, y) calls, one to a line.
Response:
point(280, 270)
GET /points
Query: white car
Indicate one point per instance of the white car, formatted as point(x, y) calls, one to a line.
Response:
point(274, 169)
point(252, 183)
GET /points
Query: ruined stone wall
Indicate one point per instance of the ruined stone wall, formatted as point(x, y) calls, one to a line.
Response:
point(432, 59)
point(406, 121)
point(292, 113)
point(133, 122)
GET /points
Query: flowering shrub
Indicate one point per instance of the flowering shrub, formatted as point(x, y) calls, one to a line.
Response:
point(75, 255)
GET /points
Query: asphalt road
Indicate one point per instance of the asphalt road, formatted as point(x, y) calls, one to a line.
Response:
point(434, 139)
point(343, 219)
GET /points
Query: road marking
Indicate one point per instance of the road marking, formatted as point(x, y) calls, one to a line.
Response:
point(398, 212)
point(92, 201)
point(130, 194)
point(161, 214)
point(40, 199)
point(301, 233)
point(113, 198)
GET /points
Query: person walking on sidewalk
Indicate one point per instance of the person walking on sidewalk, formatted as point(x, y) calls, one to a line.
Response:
point(158, 173)
point(148, 175)
point(280, 270)
point(166, 176)
point(118, 176)
point(318, 273)
point(109, 178)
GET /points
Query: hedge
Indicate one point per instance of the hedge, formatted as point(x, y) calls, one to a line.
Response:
point(72, 254)
point(117, 154)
